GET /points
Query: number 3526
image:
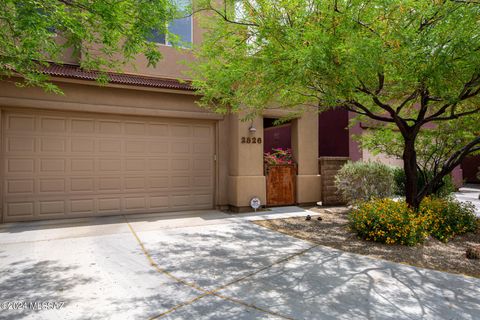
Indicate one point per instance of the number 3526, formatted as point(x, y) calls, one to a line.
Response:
point(251, 140)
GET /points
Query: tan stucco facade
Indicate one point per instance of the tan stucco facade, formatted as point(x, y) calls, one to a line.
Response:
point(237, 172)
point(196, 160)
point(305, 151)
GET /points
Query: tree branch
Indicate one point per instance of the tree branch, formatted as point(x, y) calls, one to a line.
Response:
point(351, 105)
point(454, 160)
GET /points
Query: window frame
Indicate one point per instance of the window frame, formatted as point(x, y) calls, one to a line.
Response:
point(167, 44)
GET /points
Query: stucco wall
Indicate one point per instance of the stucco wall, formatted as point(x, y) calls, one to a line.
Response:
point(90, 97)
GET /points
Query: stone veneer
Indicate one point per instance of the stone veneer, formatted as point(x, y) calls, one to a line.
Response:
point(328, 167)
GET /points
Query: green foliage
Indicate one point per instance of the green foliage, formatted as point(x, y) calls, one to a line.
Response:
point(445, 190)
point(406, 64)
point(448, 218)
point(361, 181)
point(394, 222)
point(105, 33)
point(295, 51)
point(434, 145)
point(389, 221)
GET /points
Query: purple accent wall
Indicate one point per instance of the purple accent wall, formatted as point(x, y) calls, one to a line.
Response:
point(277, 137)
point(333, 133)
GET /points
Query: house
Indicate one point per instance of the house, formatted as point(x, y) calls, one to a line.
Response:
point(139, 144)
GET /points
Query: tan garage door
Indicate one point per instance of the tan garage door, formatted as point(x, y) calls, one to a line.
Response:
point(59, 165)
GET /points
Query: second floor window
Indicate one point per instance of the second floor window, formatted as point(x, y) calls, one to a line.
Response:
point(180, 28)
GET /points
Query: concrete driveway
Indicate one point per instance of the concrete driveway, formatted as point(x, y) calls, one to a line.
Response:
point(209, 265)
point(470, 193)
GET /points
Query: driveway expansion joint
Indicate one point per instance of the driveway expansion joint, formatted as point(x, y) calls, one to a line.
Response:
point(215, 291)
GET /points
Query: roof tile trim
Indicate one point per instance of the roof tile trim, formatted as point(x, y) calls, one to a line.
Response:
point(75, 72)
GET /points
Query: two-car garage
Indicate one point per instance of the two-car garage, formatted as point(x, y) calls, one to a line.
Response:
point(69, 164)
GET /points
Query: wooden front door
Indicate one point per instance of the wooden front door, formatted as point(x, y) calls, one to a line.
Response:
point(280, 185)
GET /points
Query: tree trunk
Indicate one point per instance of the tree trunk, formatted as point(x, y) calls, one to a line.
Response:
point(411, 173)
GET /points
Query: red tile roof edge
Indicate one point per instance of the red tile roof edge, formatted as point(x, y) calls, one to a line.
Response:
point(75, 72)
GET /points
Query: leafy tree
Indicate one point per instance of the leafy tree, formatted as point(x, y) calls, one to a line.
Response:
point(106, 33)
point(408, 64)
point(436, 147)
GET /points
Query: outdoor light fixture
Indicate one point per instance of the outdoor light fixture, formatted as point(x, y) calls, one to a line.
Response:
point(252, 129)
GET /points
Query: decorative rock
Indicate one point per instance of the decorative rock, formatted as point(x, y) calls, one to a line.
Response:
point(473, 252)
point(308, 218)
point(319, 219)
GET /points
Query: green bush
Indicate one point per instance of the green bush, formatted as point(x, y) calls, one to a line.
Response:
point(389, 221)
point(362, 181)
point(393, 222)
point(448, 217)
point(399, 176)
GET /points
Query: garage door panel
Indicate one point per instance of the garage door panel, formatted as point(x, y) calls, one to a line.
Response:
point(109, 184)
point(20, 186)
point(53, 124)
point(203, 165)
point(82, 144)
point(19, 145)
point(20, 123)
point(80, 165)
point(156, 147)
point(109, 146)
point(135, 128)
point(82, 206)
point(109, 205)
point(110, 127)
point(135, 183)
point(53, 165)
point(135, 203)
point(134, 165)
point(135, 147)
point(82, 185)
point(202, 132)
point(158, 164)
point(52, 145)
point(73, 165)
point(21, 209)
point(180, 147)
point(161, 182)
point(158, 129)
point(180, 164)
point(49, 185)
point(202, 181)
point(180, 131)
point(20, 165)
point(52, 207)
point(109, 165)
point(83, 126)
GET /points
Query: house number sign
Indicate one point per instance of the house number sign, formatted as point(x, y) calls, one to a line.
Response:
point(251, 140)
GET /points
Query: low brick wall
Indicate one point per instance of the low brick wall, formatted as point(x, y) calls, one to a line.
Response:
point(328, 167)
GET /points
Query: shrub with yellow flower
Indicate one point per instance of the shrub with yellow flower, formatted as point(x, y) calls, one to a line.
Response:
point(393, 222)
